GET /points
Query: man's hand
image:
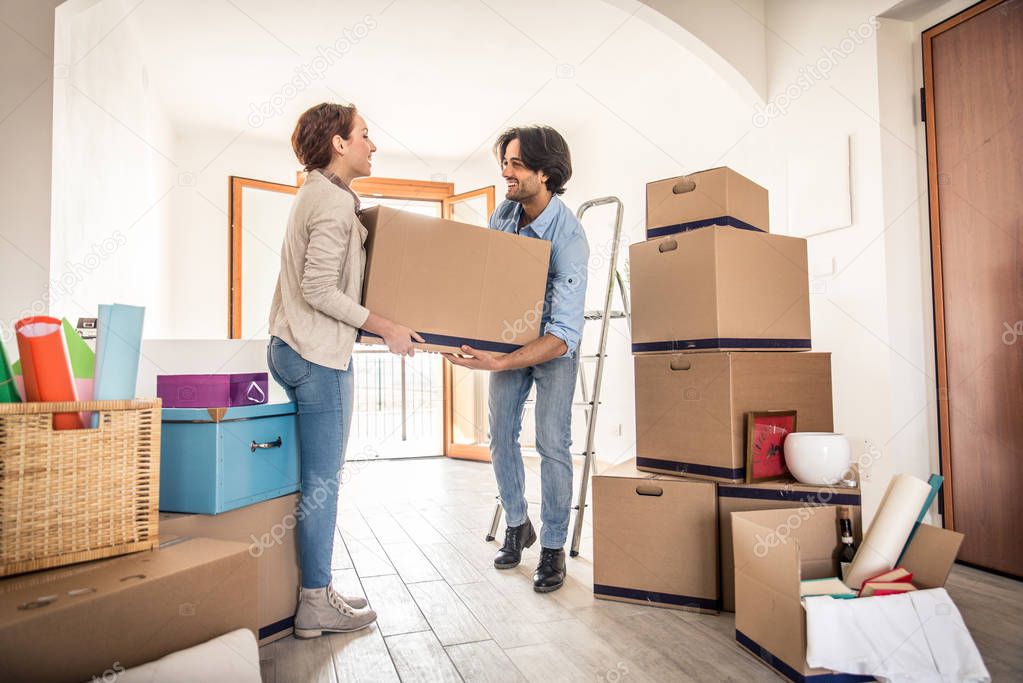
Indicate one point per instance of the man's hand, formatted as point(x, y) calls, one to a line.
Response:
point(535, 352)
point(476, 360)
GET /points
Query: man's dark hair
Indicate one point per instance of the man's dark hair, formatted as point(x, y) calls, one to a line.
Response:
point(541, 148)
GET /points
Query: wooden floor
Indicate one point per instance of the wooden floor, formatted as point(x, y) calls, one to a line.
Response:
point(413, 544)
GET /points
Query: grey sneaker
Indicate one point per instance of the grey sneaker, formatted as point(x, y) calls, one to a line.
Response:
point(323, 610)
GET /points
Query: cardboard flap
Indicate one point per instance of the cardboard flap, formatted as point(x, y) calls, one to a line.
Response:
point(763, 550)
point(931, 554)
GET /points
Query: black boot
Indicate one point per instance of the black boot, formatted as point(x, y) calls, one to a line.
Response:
point(550, 572)
point(515, 539)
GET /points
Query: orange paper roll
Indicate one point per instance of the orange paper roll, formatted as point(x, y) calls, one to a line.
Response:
point(45, 365)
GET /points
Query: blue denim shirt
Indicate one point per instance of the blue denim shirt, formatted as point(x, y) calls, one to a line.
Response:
point(565, 299)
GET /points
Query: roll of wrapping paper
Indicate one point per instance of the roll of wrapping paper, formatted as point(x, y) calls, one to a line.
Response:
point(882, 545)
point(8, 392)
point(45, 365)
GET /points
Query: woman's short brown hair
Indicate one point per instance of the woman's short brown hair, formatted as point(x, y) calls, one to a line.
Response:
point(315, 130)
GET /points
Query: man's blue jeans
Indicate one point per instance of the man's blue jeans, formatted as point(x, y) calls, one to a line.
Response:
point(555, 387)
point(324, 397)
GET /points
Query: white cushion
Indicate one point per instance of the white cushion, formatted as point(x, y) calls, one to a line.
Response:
point(231, 657)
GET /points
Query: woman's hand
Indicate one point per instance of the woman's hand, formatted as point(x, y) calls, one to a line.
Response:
point(399, 339)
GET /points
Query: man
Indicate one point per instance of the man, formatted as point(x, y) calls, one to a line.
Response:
point(536, 164)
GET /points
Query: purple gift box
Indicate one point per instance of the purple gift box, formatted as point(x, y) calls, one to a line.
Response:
point(212, 391)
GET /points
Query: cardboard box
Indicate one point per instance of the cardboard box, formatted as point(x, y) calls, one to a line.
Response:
point(73, 623)
point(720, 289)
point(454, 283)
point(771, 496)
point(691, 407)
point(718, 196)
point(655, 540)
point(268, 529)
point(776, 549)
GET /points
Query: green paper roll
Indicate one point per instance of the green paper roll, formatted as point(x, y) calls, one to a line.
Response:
point(8, 392)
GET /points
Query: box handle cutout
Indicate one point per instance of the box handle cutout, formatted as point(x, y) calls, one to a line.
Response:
point(276, 443)
point(667, 245)
point(649, 490)
point(133, 576)
point(678, 364)
point(683, 186)
point(80, 591)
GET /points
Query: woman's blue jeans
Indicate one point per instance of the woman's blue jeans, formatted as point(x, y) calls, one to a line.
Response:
point(324, 397)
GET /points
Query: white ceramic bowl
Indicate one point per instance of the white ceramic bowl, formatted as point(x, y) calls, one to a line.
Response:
point(819, 458)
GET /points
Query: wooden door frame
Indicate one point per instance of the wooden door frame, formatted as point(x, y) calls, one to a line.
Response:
point(940, 351)
point(235, 186)
point(448, 203)
point(451, 449)
point(392, 188)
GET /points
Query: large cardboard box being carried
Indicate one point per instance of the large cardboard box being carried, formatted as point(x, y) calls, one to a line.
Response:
point(691, 407)
point(268, 528)
point(452, 282)
point(773, 495)
point(717, 196)
point(720, 289)
point(776, 549)
point(655, 539)
point(99, 618)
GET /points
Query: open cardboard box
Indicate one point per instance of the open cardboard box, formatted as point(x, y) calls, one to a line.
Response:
point(773, 495)
point(452, 282)
point(776, 549)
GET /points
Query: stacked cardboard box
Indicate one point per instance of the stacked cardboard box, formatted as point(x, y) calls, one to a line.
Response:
point(92, 621)
point(655, 539)
point(718, 306)
point(268, 529)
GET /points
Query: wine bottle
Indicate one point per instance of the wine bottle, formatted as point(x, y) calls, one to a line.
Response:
point(846, 549)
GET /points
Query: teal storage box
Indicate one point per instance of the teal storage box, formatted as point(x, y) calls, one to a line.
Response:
point(217, 459)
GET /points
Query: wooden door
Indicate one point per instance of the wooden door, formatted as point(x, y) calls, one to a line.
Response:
point(973, 75)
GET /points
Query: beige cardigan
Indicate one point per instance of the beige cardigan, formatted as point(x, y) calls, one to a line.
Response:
point(316, 307)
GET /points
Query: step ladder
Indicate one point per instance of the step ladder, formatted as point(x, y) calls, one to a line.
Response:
point(590, 393)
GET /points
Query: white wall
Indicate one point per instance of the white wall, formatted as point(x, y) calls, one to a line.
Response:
point(26, 114)
point(875, 312)
point(849, 308)
point(112, 170)
point(728, 36)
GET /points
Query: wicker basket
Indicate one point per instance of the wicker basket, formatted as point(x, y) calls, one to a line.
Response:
point(76, 495)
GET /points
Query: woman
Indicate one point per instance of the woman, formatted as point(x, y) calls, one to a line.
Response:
point(314, 317)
